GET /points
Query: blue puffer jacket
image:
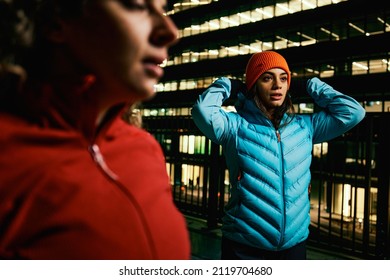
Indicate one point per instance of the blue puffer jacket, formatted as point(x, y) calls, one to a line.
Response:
point(269, 205)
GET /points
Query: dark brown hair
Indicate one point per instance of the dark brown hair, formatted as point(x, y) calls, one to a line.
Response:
point(276, 117)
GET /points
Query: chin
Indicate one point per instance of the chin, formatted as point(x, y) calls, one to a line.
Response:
point(148, 97)
point(276, 105)
point(140, 91)
point(146, 93)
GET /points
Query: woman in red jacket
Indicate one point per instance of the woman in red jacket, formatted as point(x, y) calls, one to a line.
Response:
point(79, 180)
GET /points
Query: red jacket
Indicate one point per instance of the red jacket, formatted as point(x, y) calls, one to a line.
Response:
point(70, 192)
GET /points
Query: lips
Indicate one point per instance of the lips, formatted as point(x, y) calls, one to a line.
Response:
point(276, 96)
point(152, 67)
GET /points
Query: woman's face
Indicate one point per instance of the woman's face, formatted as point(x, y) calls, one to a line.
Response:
point(271, 87)
point(122, 42)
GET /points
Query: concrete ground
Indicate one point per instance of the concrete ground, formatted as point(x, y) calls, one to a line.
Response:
point(206, 244)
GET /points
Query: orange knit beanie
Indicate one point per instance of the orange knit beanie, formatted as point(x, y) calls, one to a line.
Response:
point(260, 63)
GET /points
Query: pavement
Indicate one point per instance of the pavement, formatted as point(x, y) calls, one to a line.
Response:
point(206, 243)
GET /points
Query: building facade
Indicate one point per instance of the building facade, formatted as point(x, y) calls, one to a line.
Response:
point(341, 42)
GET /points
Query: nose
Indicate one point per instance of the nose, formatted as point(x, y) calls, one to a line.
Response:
point(165, 32)
point(277, 83)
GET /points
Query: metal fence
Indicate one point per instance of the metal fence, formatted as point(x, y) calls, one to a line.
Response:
point(349, 189)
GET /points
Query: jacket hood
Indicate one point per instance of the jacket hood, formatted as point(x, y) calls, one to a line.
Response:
point(247, 109)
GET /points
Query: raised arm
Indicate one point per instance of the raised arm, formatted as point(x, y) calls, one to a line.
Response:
point(340, 112)
point(207, 113)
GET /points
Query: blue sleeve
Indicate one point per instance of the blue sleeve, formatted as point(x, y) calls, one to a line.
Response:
point(340, 112)
point(207, 113)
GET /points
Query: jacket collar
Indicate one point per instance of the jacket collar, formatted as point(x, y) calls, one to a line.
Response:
point(76, 111)
point(247, 109)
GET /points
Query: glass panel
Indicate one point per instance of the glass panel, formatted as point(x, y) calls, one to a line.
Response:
point(192, 144)
point(191, 186)
point(282, 9)
point(183, 144)
point(171, 172)
point(373, 106)
point(387, 106)
point(378, 66)
point(306, 108)
point(359, 67)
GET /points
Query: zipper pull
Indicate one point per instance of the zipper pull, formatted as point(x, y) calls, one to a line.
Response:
point(98, 157)
point(239, 175)
point(278, 135)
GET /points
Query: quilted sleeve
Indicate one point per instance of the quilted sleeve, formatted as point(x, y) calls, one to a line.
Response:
point(340, 112)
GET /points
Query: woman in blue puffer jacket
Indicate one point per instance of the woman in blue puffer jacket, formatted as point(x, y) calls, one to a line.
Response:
point(268, 152)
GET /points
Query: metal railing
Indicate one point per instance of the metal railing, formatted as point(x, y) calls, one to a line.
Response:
point(349, 189)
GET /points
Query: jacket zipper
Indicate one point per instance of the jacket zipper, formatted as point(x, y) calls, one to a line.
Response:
point(278, 135)
point(283, 223)
point(99, 159)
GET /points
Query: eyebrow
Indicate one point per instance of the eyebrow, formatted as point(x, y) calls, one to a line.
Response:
point(272, 73)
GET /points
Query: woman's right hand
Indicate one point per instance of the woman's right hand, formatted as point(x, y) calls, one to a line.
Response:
point(236, 87)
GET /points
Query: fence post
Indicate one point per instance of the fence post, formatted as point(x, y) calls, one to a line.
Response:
point(367, 187)
point(212, 218)
point(383, 208)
